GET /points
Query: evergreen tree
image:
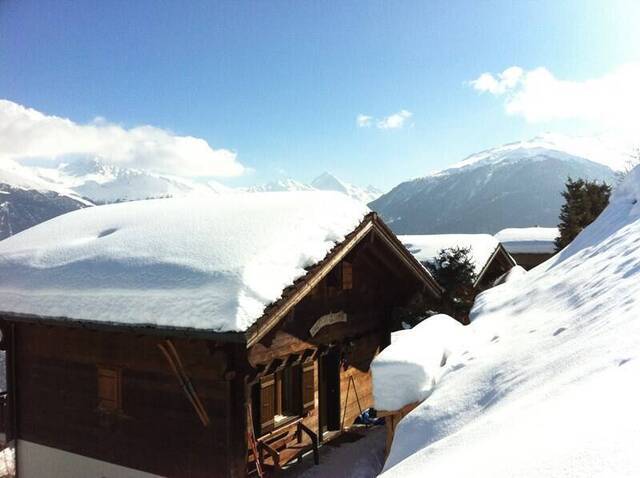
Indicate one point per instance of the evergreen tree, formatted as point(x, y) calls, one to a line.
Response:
point(454, 270)
point(584, 201)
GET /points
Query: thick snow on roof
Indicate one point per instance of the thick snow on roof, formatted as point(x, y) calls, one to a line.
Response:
point(210, 262)
point(550, 386)
point(426, 248)
point(528, 240)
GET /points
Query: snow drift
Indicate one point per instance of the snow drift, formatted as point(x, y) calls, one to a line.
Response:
point(408, 370)
point(209, 263)
point(551, 388)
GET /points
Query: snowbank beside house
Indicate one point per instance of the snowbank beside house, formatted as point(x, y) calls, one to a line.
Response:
point(408, 370)
point(213, 262)
point(550, 388)
point(427, 247)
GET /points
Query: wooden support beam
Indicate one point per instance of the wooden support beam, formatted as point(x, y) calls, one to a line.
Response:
point(171, 354)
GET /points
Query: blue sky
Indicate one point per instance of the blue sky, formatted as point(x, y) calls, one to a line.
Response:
point(281, 83)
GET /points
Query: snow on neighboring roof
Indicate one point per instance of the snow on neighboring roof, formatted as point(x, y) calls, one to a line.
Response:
point(426, 248)
point(551, 386)
point(212, 262)
point(406, 371)
point(528, 240)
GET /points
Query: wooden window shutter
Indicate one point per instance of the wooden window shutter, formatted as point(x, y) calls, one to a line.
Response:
point(347, 275)
point(267, 403)
point(308, 386)
point(109, 389)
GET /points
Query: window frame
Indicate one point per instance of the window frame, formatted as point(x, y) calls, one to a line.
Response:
point(113, 402)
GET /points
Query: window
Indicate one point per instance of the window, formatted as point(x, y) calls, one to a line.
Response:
point(285, 395)
point(347, 276)
point(109, 389)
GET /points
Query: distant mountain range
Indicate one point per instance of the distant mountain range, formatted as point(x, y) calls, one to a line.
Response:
point(515, 185)
point(324, 182)
point(30, 194)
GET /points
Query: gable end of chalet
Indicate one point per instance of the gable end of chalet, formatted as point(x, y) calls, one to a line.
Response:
point(371, 229)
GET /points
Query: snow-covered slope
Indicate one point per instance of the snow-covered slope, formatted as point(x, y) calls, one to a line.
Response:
point(550, 385)
point(516, 185)
point(179, 262)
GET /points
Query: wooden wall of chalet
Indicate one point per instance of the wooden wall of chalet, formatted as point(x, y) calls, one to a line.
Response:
point(380, 283)
point(500, 264)
point(158, 430)
point(529, 261)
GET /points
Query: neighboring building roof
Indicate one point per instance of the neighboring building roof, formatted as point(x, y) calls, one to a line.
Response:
point(426, 248)
point(528, 240)
point(216, 263)
point(208, 262)
point(484, 248)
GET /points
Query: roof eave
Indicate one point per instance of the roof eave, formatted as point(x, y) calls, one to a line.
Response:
point(141, 329)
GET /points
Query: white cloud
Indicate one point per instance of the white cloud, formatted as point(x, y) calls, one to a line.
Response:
point(394, 121)
point(611, 100)
point(502, 82)
point(26, 133)
point(364, 121)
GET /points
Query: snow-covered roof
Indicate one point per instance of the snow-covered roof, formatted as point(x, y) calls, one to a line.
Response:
point(528, 240)
point(211, 262)
point(549, 386)
point(426, 248)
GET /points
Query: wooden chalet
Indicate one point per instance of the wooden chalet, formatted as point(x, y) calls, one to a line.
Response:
point(90, 398)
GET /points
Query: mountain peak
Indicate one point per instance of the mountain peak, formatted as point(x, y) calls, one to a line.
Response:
point(328, 182)
point(88, 166)
point(599, 149)
point(513, 185)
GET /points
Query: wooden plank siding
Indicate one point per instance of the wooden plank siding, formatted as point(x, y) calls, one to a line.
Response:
point(157, 429)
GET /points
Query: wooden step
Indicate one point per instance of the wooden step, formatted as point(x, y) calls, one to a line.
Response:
point(290, 453)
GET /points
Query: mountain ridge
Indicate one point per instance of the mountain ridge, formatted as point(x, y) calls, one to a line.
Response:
point(515, 185)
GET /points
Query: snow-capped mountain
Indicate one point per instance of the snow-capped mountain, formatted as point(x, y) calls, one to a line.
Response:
point(324, 182)
point(26, 200)
point(328, 182)
point(515, 185)
point(101, 182)
point(286, 184)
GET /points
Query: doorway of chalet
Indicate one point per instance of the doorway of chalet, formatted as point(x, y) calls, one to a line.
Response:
point(329, 392)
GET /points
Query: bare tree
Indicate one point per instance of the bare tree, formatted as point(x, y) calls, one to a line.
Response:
point(632, 162)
